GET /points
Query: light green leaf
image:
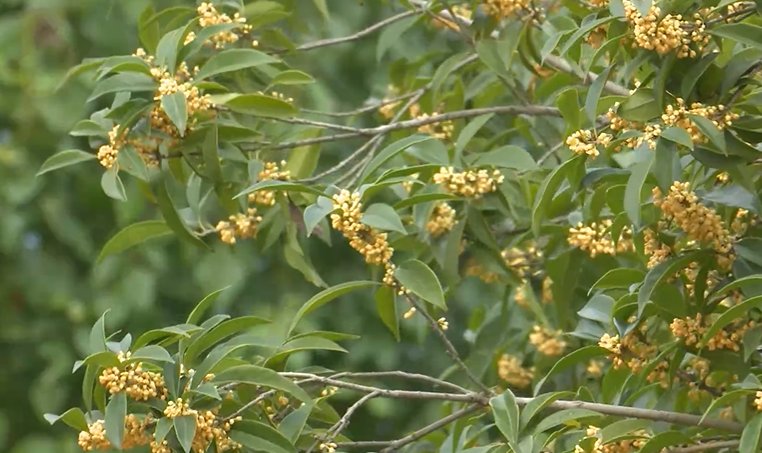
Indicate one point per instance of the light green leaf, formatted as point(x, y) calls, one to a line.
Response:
point(112, 185)
point(223, 330)
point(389, 152)
point(125, 81)
point(265, 377)
point(233, 60)
point(260, 105)
point(64, 159)
point(744, 33)
point(619, 278)
point(73, 417)
point(130, 236)
point(185, 428)
point(116, 411)
point(198, 311)
point(678, 135)
point(582, 354)
point(506, 413)
point(392, 34)
point(537, 404)
point(316, 212)
point(259, 437)
point(563, 417)
point(665, 439)
point(272, 184)
point(659, 273)
point(383, 217)
point(292, 77)
point(711, 131)
point(548, 190)
point(594, 94)
point(424, 198)
point(469, 132)
point(152, 352)
point(293, 424)
point(730, 315)
point(175, 106)
point(97, 342)
point(417, 277)
point(751, 435)
point(172, 218)
point(632, 192)
point(509, 156)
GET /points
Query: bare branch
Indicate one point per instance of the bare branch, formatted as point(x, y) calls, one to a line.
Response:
point(449, 348)
point(343, 422)
point(412, 437)
point(405, 375)
point(360, 34)
point(368, 108)
point(732, 444)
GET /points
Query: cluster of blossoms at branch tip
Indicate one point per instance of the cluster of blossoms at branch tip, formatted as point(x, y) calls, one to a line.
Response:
point(547, 342)
point(108, 153)
point(441, 130)
point(500, 9)
point(239, 226)
point(758, 400)
point(182, 82)
point(443, 324)
point(373, 245)
point(700, 223)
point(640, 437)
point(510, 370)
point(139, 384)
point(208, 427)
point(136, 434)
point(634, 352)
point(209, 16)
point(328, 447)
point(692, 330)
point(442, 219)
point(386, 110)
point(596, 239)
point(586, 142)
point(270, 172)
point(469, 183)
point(656, 251)
point(678, 116)
point(524, 261)
point(668, 33)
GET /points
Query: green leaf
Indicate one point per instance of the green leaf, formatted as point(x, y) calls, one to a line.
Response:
point(386, 307)
point(73, 417)
point(130, 236)
point(167, 335)
point(273, 184)
point(260, 105)
point(325, 296)
point(548, 190)
point(293, 424)
point(623, 429)
point(417, 277)
point(322, 6)
point(112, 185)
point(383, 217)
point(424, 198)
point(185, 428)
point(223, 330)
point(711, 131)
point(568, 103)
point(88, 128)
point(661, 272)
point(640, 106)
point(749, 280)
point(233, 60)
point(563, 417)
point(678, 135)
point(389, 152)
point(392, 34)
point(632, 192)
point(751, 435)
point(163, 426)
point(537, 404)
point(123, 82)
point(97, 342)
point(292, 77)
point(619, 278)
point(744, 33)
point(169, 46)
point(152, 352)
point(726, 400)
point(469, 131)
point(580, 355)
point(116, 411)
point(211, 155)
point(305, 343)
point(509, 156)
point(198, 311)
point(316, 212)
point(660, 441)
point(175, 106)
point(506, 413)
point(265, 377)
point(259, 437)
point(598, 308)
point(171, 216)
point(730, 315)
point(64, 159)
point(594, 94)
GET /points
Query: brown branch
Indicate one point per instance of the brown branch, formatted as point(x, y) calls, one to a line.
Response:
point(360, 34)
point(733, 444)
point(449, 348)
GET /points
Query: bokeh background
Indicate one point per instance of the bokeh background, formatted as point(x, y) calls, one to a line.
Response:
point(52, 227)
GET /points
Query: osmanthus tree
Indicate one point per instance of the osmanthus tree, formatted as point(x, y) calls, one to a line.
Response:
point(593, 163)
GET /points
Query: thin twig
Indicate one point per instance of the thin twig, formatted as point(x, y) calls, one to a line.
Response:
point(449, 348)
point(707, 446)
point(360, 34)
point(412, 437)
point(262, 397)
point(368, 108)
point(343, 422)
point(406, 375)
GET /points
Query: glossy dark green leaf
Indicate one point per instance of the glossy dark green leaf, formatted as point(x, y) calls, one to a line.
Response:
point(594, 94)
point(678, 135)
point(744, 33)
point(272, 184)
point(259, 437)
point(152, 352)
point(619, 278)
point(661, 272)
point(223, 330)
point(293, 424)
point(711, 131)
point(172, 218)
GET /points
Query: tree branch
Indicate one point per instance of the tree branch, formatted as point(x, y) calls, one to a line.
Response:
point(405, 375)
point(412, 437)
point(360, 34)
point(707, 446)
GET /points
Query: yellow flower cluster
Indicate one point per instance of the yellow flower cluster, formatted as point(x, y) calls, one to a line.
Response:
point(758, 400)
point(634, 353)
point(461, 11)
point(239, 226)
point(271, 171)
point(522, 261)
point(622, 446)
point(441, 130)
point(208, 427)
point(373, 245)
point(195, 102)
point(668, 33)
point(595, 239)
point(547, 342)
point(501, 9)
point(700, 223)
point(596, 37)
point(387, 108)
point(135, 434)
point(140, 385)
point(328, 447)
point(691, 331)
point(678, 116)
point(208, 16)
point(510, 370)
point(656, 251)
point(474, 268)
point(442, 219)
point(108, 153)
point(469, 183)
point(741, 222)
point(585, 142)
